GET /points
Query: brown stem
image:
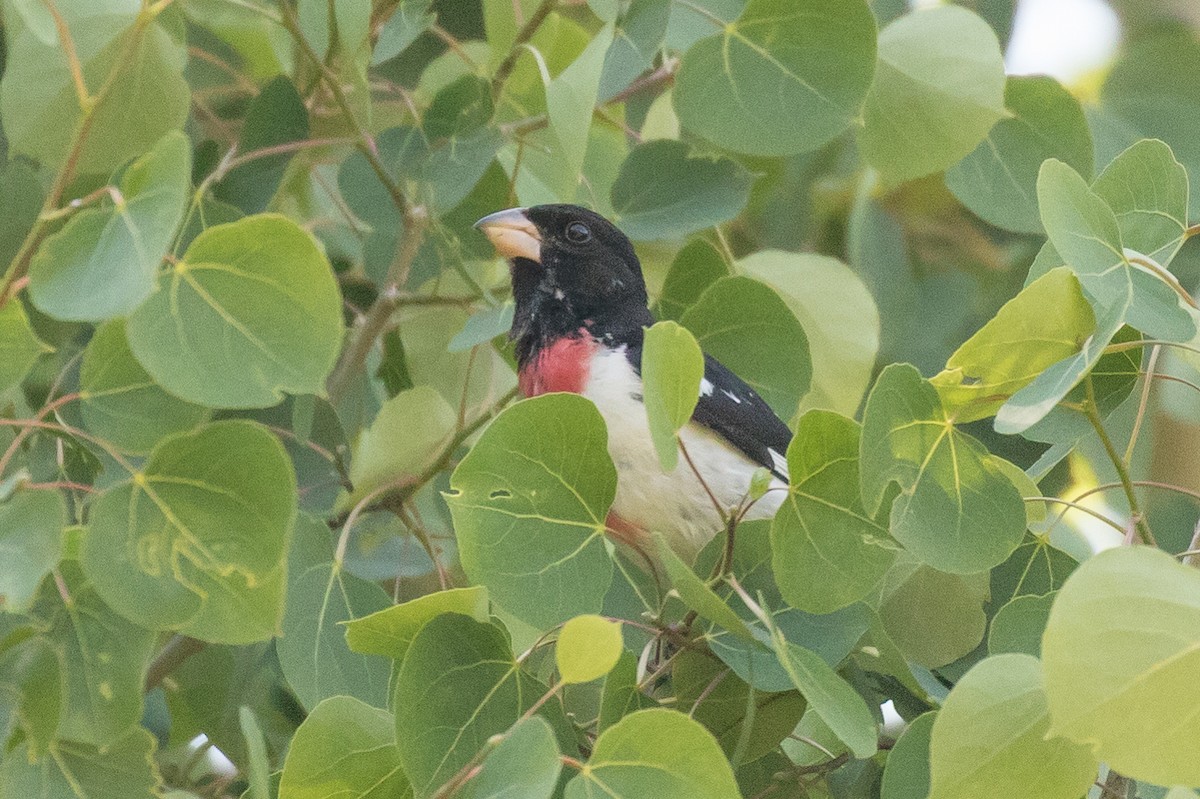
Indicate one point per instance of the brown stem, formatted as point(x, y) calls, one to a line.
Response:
point(170, 657)
point(378, 318)
point(524, 35)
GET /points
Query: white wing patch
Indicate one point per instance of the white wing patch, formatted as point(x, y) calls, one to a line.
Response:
point(706, 387)
point(779, 461)
point(732, 396)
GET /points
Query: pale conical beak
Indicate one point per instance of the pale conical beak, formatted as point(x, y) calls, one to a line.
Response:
point(512, 234)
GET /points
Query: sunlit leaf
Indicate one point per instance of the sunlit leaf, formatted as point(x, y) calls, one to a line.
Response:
point(587, 648)
point(389, 632)
point(1048, 321)
point(990, 738)
point(19, 346)
point(1137, 610)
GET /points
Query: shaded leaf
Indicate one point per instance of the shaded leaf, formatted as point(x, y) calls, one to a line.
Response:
point(123, 768)
point(785, 77)
point(251, 311)
point(345, 749)
point(938, 89)
point(104, 261)
point(195, 542)
point(825, 551)
point(529, 503)
point(957, 511)
point(19, 346)
point(664, 191)
point(31, 526)
point(121, 403)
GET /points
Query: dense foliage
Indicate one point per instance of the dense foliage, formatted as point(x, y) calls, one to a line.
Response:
point(272, 524)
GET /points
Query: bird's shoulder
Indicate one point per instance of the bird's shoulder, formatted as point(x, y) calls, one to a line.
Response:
point(730, 408)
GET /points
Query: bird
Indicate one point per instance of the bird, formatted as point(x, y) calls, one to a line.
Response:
point(579, 322)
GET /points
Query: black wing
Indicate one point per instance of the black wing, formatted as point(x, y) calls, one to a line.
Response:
point(734, 411)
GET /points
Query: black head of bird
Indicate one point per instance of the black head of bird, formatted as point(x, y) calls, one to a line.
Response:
point(572, 271)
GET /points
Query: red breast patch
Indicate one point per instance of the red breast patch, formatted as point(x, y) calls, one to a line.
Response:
point(562, 366)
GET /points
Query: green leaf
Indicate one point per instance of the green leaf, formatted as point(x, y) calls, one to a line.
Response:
point(525, 765)
point(672, 368)
point(32, 689)
point(195, 541)
point(745, 325)
point(785, 77)
point(104, 261)
point(839, 317)
point(998, 180)
point(1152, 92)
point(825, 551)
point(483, 326)
point(338, 25)
point(696, 594)
point(587, 648)
point(658, 753)
point(665, 191)
point(19, 347)
point(571, 100)
point(939, 88)
point(123, 768)
point(259, 775)
point(344, 749)
point(103, 659)
point(1019, 343)
point(829, 696)
point(1147, 190)
point(621, 694)
point(696, 266)
point(406, 438)
point(934, 618)
point(529, 503)
point(990, 738)
point(906, 775)
point(313, 651)
point(1018, 625)
point(957, 511)
point(708, 691)
point(276, 116)
point(457, 687)
point(31, 525)
point(638, 37)
point(1136, 610)
point(21, 194)
point(119, 401)
point(410, 19)
point(249, 312)
point(389, 632)
point(41, 109)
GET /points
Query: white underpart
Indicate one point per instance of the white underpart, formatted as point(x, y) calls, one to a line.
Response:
point(674, 504)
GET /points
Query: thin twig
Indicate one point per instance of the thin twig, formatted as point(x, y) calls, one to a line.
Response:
point(1092, 411)
point(524, 35)
point(1143, 403)
point(173, 655)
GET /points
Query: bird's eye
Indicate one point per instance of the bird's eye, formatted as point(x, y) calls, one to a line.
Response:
point(578, 233)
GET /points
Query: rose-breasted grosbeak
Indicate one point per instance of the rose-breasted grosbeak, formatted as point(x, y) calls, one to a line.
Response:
point(581, 314)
